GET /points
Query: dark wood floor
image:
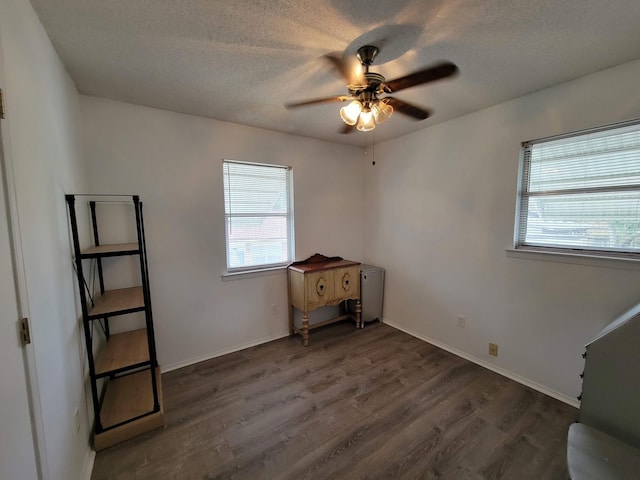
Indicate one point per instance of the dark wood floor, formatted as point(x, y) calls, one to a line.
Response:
point(355, 404)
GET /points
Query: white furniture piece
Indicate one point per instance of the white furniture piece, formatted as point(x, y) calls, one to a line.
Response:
point(371, 292)
point(594, 455)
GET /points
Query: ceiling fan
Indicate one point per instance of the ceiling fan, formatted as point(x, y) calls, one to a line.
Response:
point(369, 105)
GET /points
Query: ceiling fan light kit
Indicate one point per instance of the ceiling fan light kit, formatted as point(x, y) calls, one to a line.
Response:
point(366, 110)
point(351, 112)
point(365, 121)
point(382, 111)
point(365, 116)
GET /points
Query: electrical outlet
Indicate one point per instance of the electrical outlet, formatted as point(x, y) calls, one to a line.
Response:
point(493, 349)
point(274, 309)
point(462, 322)
point(76, 419)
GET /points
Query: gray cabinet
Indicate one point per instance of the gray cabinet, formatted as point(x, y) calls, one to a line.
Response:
point(606, 442)
point(371, 292)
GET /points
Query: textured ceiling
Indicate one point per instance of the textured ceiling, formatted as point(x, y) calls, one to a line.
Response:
point(241, 60)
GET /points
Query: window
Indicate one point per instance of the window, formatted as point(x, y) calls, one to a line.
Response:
point(580, 193)
point(258, 205)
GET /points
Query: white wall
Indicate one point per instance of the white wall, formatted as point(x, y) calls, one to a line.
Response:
point(174, 162)
point(440, 214)
point(43, 147)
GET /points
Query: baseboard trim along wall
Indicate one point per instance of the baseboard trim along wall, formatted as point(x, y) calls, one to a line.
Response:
point(209, 356)
point(494, 368)
point(505, 373)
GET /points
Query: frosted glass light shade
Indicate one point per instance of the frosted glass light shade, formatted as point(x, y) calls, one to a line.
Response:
point(350, 113)
point(381, 111)
point(365, 121)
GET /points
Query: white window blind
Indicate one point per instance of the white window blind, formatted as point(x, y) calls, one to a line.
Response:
point(581, 192)
point(258, 202)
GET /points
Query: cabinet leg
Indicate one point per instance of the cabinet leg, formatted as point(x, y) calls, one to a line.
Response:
point(359, 314)
point(305, 329)
point(291, 321)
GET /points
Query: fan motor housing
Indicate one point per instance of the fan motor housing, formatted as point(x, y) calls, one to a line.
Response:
point(374, 82)
point(367, 54)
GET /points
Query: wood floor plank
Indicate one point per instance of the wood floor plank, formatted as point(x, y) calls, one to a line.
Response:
point(355, 404)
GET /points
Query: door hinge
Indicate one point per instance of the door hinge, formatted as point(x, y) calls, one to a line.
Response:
point(25, 332)
point(2, 110)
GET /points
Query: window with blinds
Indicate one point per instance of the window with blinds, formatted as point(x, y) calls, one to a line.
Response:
point(581, 192)
point(258, 205)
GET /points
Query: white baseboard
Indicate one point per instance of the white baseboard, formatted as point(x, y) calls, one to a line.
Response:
point(87, 468)
point(494, 368)
point(479, 361)
point(209, 356)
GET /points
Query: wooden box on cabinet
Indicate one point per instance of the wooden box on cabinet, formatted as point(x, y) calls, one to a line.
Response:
point(318, 282)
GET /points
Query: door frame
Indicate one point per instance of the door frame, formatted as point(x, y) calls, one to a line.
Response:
point(28, 351)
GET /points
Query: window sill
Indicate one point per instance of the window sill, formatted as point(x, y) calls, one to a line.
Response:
point(602, 261)
point(229, 277)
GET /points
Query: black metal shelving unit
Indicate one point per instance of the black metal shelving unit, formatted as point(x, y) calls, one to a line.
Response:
point(124, 374)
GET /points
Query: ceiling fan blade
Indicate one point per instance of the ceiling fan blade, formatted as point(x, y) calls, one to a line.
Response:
point(347, 129)
point(318, 101)
point(401, 106)
point(430, 74)
point(349, 68)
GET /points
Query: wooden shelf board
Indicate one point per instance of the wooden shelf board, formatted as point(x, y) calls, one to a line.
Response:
point(127, 397)
point(114, 301)
point(122, 350)
point(111, 249)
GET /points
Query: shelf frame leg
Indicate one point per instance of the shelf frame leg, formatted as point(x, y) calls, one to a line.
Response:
point(71, 202)
point(144, 266)
point(96, 238)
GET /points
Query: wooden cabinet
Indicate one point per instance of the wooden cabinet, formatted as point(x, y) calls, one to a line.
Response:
point(320, 281)
point(123, 373)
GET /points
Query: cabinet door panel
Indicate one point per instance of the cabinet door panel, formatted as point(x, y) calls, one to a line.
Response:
point(347, 283)
point(320, 288)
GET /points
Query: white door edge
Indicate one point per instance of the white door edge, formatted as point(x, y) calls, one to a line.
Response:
point(31, 373)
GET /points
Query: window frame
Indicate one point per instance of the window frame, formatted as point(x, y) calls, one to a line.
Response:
point(523, 197)
point(289, 215)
